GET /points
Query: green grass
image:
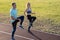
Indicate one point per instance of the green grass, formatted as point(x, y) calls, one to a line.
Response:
point(47, 13)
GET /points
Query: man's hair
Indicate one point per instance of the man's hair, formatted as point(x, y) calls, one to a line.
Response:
point(13, 3)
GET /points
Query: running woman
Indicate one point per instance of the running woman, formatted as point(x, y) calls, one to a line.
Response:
point(15, 19)
point(28, 13)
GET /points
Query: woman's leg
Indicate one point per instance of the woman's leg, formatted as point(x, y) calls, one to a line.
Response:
point(29, 18)
point(33, 18)
point(30, 22)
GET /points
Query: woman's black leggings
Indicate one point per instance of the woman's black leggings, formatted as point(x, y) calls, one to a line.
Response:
point(31, 18)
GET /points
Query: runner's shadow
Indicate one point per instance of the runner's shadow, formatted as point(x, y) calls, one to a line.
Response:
point(35, 35)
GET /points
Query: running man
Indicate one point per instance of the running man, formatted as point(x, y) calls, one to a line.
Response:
point(28, 13)
point(15, 19)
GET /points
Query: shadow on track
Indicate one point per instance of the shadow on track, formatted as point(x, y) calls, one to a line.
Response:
point(34, 35)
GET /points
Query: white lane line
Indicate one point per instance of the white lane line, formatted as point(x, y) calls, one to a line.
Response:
point(46, 32)
point(16, 35)
point(35, 30)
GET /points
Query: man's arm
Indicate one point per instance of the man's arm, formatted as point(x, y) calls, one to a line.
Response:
point(13, 18)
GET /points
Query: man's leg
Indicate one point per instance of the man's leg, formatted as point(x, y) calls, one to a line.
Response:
point(21, 21)
point(13, 31)
point(14, 24)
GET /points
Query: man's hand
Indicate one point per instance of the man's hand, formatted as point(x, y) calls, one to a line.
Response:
point(13, 18)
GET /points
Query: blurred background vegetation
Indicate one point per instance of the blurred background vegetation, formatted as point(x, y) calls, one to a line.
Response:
point(47, 13)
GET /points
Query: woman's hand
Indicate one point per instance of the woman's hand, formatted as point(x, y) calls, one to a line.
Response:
point(33, 13)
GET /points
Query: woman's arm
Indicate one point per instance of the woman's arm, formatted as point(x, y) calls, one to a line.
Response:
point(32, 12)
point(25, 12)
